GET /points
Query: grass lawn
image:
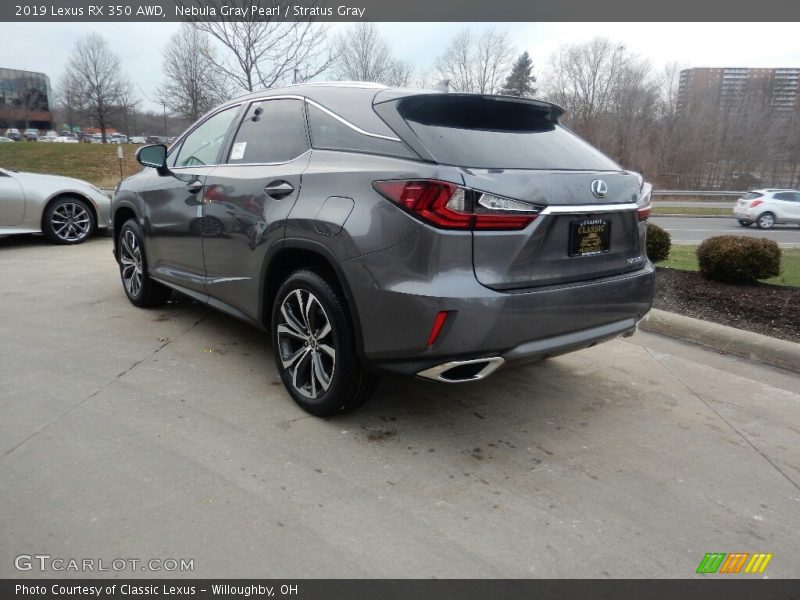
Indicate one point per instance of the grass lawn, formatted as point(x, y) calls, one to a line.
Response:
point(95, 163)
point(684, 258)
point(692, 210)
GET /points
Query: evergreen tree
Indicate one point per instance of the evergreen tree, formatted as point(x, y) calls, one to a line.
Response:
point(521, 79)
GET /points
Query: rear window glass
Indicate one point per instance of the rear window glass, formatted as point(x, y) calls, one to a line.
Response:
point(329, 133)
point(752, 195)
point(497, 133)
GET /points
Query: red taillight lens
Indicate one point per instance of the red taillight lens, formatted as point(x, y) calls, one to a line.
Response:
point(643, 212)
point(449, 206)
point(755, 203)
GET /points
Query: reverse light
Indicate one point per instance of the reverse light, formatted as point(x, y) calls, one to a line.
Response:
point(643, 204)
point(449, 206)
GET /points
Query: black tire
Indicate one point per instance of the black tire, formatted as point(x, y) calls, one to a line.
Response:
point(302, 346)
point(68, 220)
point(765, 220)
point(132, 262)
point(744, 223)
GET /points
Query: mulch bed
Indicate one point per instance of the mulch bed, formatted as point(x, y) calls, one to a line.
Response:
point(772, 310)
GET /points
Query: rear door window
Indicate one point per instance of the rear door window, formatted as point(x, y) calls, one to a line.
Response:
point(784, 196)
point(273, 131)
point(497, 133)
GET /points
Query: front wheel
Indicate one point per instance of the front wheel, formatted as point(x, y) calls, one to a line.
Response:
point(139, 287)
point(68, 220)
point(315, 346)
point(744, 223)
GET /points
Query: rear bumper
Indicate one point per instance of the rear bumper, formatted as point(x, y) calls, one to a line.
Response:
point(517, 326)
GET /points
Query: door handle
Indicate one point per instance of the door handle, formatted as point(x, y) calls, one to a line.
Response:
point(194, 186)
point(278, 189)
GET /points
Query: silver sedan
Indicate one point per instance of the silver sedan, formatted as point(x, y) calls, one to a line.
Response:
point(66, 210)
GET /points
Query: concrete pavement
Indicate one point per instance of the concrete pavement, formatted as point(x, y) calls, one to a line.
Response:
point(166, 434)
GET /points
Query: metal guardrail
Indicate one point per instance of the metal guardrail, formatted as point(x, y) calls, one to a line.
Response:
point(696, 193)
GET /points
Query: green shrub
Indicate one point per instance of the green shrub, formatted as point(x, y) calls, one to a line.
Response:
point(659, 243)
point(739, 259)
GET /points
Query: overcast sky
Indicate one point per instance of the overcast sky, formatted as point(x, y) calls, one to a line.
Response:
point(46, 46)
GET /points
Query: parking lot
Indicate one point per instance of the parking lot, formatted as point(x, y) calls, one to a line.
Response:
point(167, 434)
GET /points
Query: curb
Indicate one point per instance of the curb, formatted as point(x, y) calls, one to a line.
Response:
point(746, 344)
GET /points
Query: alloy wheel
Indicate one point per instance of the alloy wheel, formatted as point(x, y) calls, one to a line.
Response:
point(766, 221)
point(71, 222)
point(305, 343)
point(130, 259)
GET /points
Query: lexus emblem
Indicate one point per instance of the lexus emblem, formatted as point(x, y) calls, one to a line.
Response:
point(599, 188)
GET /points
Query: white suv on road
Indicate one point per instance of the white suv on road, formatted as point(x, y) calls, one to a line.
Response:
point(766, 208)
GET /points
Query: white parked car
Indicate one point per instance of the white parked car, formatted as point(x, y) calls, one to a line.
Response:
point(66, 210)
point(65, 139)
point(49, 136)
point(766, 208)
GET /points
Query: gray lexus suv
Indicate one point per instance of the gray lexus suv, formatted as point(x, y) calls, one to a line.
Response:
point(371, 229)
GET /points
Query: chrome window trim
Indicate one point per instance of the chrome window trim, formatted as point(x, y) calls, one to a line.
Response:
point(264, 164)
point(350, 125)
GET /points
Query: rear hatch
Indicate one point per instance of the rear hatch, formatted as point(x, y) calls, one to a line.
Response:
point(514, 148)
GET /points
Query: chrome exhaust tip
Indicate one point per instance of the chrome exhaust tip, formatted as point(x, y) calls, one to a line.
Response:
point(459, 371)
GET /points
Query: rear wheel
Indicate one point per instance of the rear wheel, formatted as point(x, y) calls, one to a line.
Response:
point(68, 220)
point(765, 221)
point(315, 346)
point(139, 287)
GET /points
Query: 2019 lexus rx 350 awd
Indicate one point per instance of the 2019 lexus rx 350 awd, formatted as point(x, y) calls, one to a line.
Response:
point(372, 229)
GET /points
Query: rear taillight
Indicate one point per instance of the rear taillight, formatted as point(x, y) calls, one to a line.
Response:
point(755, 203)
point(450, 206)
point(643, 204)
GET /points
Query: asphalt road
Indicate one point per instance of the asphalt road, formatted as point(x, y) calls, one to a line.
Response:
point(165, 434)
point(691, 230)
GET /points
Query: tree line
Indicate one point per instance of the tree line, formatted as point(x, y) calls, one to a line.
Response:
point(613, 98)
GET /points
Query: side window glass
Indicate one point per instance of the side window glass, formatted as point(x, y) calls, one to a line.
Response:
point(201, 146)
point(273, 131)
point(328, 133)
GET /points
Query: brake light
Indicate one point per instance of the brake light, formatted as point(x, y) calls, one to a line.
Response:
point(449, 206)
point(755, 203)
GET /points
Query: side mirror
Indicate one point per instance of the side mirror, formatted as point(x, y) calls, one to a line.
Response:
point(153, 156)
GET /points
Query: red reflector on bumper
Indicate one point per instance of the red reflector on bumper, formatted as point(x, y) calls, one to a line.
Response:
point(438, 323)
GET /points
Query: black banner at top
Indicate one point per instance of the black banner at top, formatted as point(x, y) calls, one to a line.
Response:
point(598, 11)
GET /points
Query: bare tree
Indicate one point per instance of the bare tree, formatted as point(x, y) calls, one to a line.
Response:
point(260, 52)
point(363, 55)
point(97, 75)
point(582, 79)
point(476, 65)
point(192, 86)
point(68, 99)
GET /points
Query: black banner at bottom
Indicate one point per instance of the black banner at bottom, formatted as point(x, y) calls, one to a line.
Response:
point(386, 589)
